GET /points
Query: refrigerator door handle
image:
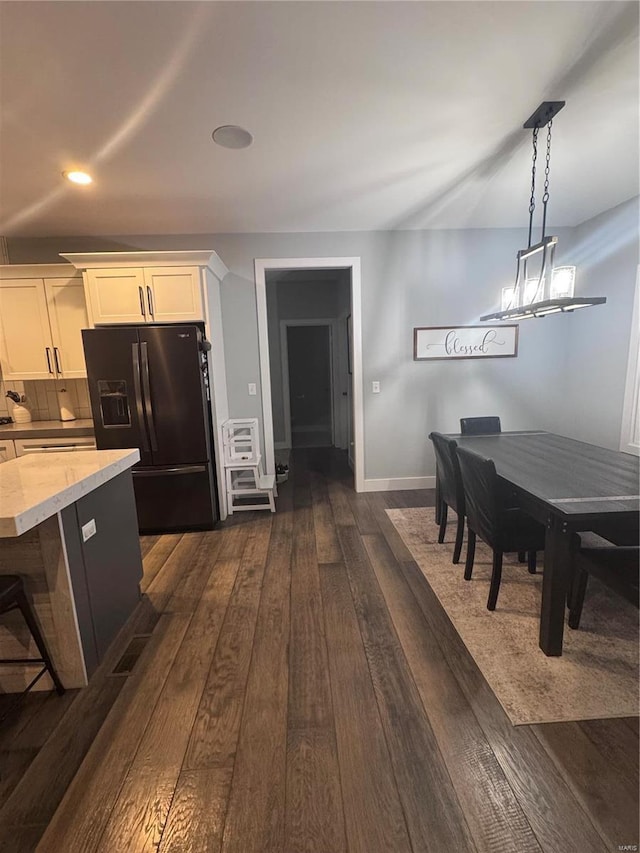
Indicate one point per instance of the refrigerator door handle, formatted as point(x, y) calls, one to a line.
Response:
point(146, 384)
point(138, 392)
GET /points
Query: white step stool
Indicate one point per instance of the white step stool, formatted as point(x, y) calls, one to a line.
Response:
point(244, 476)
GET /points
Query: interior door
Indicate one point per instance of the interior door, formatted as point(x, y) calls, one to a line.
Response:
point(310, 386)
point(115, 388)
point(67, 316)
point(171, 364)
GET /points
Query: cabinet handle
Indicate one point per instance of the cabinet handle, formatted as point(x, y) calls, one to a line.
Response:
point(150, 301)
point(48, 352)
point(56, 358)
point(140, 294)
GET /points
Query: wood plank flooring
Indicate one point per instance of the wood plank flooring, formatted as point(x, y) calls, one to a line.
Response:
point(292, 685)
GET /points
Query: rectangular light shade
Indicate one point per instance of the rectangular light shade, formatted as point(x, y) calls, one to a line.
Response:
point(508, 296)
point(563, 282)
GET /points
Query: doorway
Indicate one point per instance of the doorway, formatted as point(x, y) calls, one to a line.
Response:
point(348, 413)
point(308, 382)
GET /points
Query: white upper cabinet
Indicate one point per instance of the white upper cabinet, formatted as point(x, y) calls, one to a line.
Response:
point(67, 310)
point(146, 295)
point(117, 295)
point(41, 322)
point(174, 295)
point(148, 287)
point(26, 346)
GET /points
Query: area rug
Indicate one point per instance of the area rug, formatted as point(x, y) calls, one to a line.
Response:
point(597, 675)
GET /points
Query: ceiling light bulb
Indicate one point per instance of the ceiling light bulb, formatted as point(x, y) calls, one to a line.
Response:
point(232, 136)
point(78, 177)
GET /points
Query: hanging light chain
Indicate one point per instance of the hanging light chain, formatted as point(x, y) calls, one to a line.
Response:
point(545, 197)
point(532, 200)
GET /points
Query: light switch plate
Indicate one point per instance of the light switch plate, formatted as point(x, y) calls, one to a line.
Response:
point(253, 389)
point(375, 387)
point(89, 529)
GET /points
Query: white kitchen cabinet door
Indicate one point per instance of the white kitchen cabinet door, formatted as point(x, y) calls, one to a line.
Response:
point(67, 317)
point(174, 294)
point(7, 451)
point(26, 348)
point(117, 295)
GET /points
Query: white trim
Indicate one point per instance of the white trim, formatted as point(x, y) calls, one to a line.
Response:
point(10, 271)
point(284, 358)
point(218, 402)
point(394, 484)
point(261, 266)
point(72, 598)
point(186, 258)
point(631, 411)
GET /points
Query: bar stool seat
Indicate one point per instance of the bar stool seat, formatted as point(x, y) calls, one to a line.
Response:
point(13, 597)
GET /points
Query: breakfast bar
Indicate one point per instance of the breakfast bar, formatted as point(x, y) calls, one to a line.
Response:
point(68, 527)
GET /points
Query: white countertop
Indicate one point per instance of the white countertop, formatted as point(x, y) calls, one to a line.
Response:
point(33, 488)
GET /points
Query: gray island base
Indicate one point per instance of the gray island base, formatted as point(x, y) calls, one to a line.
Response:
point(83, 584)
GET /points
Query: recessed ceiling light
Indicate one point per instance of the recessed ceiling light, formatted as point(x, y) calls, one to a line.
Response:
point(77, 177)
point(232, 136)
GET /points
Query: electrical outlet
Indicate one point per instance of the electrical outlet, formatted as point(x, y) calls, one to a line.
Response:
point(375, 387)
point(253, 389)
point(89, 529)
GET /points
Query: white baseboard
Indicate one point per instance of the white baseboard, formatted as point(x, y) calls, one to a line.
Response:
point(399, 484)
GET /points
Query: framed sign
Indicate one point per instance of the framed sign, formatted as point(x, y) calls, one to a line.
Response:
point(435, 343)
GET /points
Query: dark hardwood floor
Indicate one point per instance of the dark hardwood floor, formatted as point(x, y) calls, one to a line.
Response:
point(290, 683)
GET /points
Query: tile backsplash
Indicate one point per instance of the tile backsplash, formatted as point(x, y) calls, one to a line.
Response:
point(42, 397)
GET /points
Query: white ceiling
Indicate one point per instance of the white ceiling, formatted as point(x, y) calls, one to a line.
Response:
point(365, 115)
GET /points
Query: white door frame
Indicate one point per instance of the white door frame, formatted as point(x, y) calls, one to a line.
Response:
point(284, 352)
point(631, 408)
point(261, 266)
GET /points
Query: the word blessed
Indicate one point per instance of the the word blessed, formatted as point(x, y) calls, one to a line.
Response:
point(455, 342)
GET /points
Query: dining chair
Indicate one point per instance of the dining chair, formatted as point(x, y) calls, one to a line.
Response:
point(480, 426)
point(504, 528)
point(451, 492)
point(615, 565)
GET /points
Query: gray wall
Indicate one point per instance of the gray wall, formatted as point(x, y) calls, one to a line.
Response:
point(567, 366)
point(605, 251)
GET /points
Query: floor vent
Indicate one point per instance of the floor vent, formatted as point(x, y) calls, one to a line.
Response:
point(133, 651)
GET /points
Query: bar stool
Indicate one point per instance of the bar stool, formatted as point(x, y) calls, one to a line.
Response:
point(12, 597)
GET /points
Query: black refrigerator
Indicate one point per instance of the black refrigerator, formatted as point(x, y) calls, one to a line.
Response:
point(149, 389)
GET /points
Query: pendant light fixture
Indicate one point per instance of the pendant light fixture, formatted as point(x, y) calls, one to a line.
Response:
point(551, 290)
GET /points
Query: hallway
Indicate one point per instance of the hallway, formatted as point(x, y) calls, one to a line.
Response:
point(295, 686)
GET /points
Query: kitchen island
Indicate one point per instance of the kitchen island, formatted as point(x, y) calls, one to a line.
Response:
point(68, 527)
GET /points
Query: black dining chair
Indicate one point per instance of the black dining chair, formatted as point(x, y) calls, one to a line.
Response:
point(480, 426)
point(617, 566)
point(504, 528)
point(451, 492)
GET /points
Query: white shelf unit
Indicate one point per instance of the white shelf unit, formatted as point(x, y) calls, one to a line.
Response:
point(244, 477)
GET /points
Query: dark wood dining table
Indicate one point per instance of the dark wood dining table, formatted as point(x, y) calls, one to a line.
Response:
point(568, 486)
